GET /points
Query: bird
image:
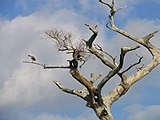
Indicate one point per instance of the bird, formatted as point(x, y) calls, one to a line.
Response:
point(73, 64)
point(32, 58)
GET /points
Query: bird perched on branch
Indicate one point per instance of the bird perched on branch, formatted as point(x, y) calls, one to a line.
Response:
point(32, 58)
point(73, 64)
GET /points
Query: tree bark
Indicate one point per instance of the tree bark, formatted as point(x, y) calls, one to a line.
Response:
point(103, 113)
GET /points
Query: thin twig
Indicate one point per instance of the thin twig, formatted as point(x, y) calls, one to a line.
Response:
point(98, 47)
point(47, 67)
point(94, 78)
point(132, 65)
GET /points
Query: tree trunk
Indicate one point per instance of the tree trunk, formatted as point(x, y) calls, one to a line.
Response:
point(103, 113)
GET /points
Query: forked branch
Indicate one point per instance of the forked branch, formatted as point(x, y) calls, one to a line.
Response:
point(106, 62)
point(124, 50)
point(79, 93)
point(98, 47)
point(149, 36)
point(132, 65)
point(93, 37)
point(144, 41)
point(94, 78)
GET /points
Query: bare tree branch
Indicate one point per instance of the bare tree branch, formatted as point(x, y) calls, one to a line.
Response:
point(92, 38)
point(74, 92)
point(94, 78)
point(105, 3)
point(65, 44)
point(143, 72)
point(62, 39)
point(124, 50)
point(106, 62)
point(47, 67)
point(132, 65)
point(123, 87)
point(60, 86)
point(75, 73)
point(149, 36)
point(121, 8)
point(98, 47)
point(114, 28)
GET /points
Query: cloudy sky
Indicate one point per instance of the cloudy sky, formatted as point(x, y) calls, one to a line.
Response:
point(27, 91)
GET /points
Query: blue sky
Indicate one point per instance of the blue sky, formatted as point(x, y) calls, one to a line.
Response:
point(27, 91)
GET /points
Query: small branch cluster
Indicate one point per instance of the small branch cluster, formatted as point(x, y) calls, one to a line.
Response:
point(62, 39)
point(64, 43)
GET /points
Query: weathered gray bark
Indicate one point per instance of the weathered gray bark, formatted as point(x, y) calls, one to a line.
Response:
point(91, 93)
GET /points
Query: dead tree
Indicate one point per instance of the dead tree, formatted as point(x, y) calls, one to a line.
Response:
point(91, 92)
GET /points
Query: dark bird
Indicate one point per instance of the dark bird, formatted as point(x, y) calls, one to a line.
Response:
point(73, 64)
point(32, 58)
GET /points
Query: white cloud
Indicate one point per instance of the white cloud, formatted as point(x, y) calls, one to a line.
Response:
point(27, 85)
point(24, 85)
point(139, 112)
point(158, 1)
point(57, 117)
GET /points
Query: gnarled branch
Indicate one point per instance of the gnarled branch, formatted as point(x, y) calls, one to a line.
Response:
point(132, 65)
point(149, 36)
point(93, 37)
point(144, 41)
point(67, 90)
point(124, 50)
point(106, 62)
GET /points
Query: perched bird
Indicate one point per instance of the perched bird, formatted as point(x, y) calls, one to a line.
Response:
point(73, 64)
point(32, 58)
